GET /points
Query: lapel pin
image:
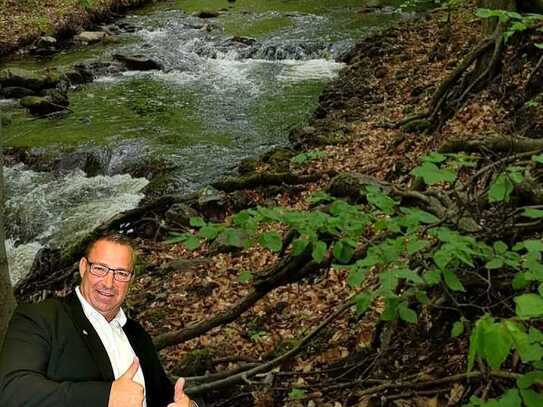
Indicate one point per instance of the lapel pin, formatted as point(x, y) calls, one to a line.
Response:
point(85, 332)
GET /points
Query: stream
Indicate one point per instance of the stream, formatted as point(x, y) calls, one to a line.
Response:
point(232, 87)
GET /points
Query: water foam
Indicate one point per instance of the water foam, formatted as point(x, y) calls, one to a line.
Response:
point(45, 208)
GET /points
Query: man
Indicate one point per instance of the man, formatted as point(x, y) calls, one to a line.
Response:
point(82, 351)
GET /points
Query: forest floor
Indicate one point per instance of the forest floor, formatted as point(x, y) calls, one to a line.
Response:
point(23, 22)
point(388, 77)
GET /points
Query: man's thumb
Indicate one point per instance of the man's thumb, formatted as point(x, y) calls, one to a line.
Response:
point(179, 392)
point(132, 369)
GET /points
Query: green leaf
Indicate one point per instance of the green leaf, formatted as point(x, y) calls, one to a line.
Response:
point(538, 158)
point(531, 398)
point(529, 379)
point(296, 393)
point(474, 344)
point(432, 277)
point(197, 222)
point(362, 302)
point(501, 189)
point(233, 238)
point(532, 213)
point(500, 247)
point(298, 246)
point(528, 348)
point(407, 314)
point(320, 196)
point(210, 231)
point(177, 238)
point(355, 277)
point(245, 277)
point(520, 281)
point(434, 157)
point(457, 329)
point(379, 199)
point(391, 309)
point(529, 306)
point(495, 343)
point(494, 264)
point(510, 399)
point(271, 241)
point(416, 245)
point(431, 174)
point(452, 281)
point(192, 243)
point(408, 275)
point(319, 251)
point(422, 297)
point(310, 155)
point(343, 250)
point(533, 246)
point(441, 258)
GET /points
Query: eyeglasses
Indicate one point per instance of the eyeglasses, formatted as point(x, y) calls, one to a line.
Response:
point(100, 270)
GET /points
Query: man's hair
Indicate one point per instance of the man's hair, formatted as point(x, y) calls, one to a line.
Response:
point(113, 238)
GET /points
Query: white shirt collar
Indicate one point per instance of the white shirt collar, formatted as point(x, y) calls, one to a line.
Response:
point(90, 312)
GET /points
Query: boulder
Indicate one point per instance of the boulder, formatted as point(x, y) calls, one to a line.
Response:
point(138, 62)
point(90, 37)
point(37, 81)
point(46, 41)
point(16, 92)
point(247, 166)
point(80, 73)
point(179, 215)
point(43, 105)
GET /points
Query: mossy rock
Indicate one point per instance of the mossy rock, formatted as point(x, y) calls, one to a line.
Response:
point(348, 185)
point(247, 166)
point(44, 105)
point(195, 363)
point(29, 79)
point(279, 158)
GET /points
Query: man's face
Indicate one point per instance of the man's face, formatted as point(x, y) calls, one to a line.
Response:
point(105, 294)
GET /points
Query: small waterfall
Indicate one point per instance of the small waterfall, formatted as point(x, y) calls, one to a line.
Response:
point(44, 208)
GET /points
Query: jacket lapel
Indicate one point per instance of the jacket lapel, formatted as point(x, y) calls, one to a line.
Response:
point(89, 336)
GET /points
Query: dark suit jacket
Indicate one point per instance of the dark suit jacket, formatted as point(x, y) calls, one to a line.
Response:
point(53, 357)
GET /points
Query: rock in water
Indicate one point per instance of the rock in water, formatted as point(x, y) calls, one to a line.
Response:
point(16, 92)
point(90, 37)
point(44, 105)
point(16, 77)
point(138, 62)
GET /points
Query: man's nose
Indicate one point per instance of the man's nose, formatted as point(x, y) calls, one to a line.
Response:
point(109, 279)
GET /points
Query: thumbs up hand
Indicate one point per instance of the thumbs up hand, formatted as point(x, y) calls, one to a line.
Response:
point(125, 392)
point(180, 399)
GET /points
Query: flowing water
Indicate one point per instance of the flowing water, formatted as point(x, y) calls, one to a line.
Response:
point(231, 88)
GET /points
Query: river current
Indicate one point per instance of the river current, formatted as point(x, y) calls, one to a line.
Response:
point(232, 87)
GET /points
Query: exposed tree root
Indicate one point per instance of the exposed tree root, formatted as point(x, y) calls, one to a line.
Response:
point(495, 144)
point(267, 366)
point(230, 184)
point(288, 270)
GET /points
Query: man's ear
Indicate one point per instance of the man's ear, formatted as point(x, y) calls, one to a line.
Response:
point(82, 267)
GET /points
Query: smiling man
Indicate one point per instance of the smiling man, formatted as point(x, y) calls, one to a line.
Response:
point(82, 350)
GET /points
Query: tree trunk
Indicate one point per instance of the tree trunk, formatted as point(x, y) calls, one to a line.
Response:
point(7, 300)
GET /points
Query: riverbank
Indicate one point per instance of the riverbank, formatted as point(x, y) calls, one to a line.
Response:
point(353, 139)
point(23, 22)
